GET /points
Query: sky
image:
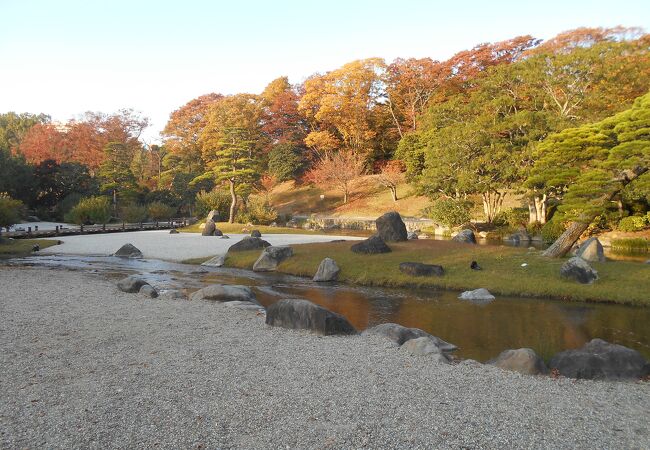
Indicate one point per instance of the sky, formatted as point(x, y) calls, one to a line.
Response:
point(65, 57)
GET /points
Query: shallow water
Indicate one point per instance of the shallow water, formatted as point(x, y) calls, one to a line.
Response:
point(481, 331)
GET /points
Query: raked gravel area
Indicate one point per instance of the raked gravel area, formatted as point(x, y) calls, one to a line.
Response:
point(159, 244)
point(86, 366)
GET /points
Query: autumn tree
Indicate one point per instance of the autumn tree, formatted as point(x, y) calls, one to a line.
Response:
point(14, 127)
point(391, 175)
point(282, 121)
point(231, 145)
point(338, 170)
point(44, 142)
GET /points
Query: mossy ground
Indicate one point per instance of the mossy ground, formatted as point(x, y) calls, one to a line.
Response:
point(503, 270)
point(22, 247)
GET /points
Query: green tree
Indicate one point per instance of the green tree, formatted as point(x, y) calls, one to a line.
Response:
point(285, 161)
point(599, 161)
point(17, 177)
point(14, 127)
point(90, 210)
point(115, 172)
point(10, 212)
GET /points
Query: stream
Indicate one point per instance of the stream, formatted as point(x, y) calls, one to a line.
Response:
point(481, 331)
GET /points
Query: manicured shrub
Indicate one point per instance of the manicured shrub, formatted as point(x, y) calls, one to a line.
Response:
point(90, 210)
point(10, 211)
point(257, 211)
point(218, 200)
point(450, 212)
point(133, 213)
point(633, 223)
point(552, 230)
point(160, 211)
point(513, 218)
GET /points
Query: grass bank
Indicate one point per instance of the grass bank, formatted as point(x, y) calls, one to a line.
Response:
point(503, 273)
point(22, 247)
point(230, 228)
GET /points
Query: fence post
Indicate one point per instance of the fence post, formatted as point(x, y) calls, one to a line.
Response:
point(56, 230)
point(123, 226)
point(81, 228)
point(103, 227)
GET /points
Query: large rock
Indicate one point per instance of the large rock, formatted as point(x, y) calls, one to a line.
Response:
point(400, 334)
point(600, 360)
point(131, 284)
point(480, 294)
point(328, 270)
point(391, 228)
point(209, 228)
point(421, 270)
point(374, 244)
point(148, 291)
point(271, 257)
point(213, 215)
point(129, 251)
point(522, 360)
point(304, 315)
point(249, 243)
point(591, 250)
point(225, 293)
point(466, 236)
point(520, 237)
point(579, 270)
point(216, 261)
point(424, 346)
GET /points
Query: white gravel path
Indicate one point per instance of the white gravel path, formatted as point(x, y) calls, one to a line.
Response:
point(160, 244)
point(83, 365)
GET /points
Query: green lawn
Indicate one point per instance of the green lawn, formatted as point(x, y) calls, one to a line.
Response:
point(230, 228)
point(22, 247)
point(620, 282)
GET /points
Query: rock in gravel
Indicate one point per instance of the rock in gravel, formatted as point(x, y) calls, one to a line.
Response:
point(391, 228)
point(466, 236)
point(373, 245)
point(591, 250)
point(412, 236)
point(420, 269)
point(128, 251)
point(173, 231)
point(249, 243)
point(256, 233)
point(217, 232)
point(601, 360)
point(579, 270)
point(522, 360)
point(225, 293)
point(401, 334)
point(216, 261)
point(305, 315)
point(247, 306)
point(172, 294)
point(131, 284)
point(148, 291)
point(271, 257)
point(328, 270)
point(480, 294)
point(209, 228)
point(424, 346)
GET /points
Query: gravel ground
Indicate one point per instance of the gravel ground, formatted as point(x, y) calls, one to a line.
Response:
point(86, 366)
point(160, 244)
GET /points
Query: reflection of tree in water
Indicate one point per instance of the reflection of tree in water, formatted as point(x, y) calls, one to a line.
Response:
point(575, 314)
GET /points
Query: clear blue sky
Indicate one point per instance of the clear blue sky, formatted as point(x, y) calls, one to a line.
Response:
point(69, 56)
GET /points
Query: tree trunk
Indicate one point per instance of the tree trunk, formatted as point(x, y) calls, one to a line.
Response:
point(537, 209)
point(492, 202)
point(233, 203)
point(345, 197)
point(393, 192)
point(532, 212)
point(564, 243)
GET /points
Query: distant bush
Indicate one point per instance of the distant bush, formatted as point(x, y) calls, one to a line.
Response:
point(633, 223)
point(634, 245)
point(218, 200)
point(133, 213)
point(160, 211)
point(10, 211)
point(90, 210)
point(257, 211)
point(552, 230)
point(513, 218)
point(450, 212)
point(285, 161)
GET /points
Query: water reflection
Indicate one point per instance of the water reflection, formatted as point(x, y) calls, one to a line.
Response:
point(481, 331)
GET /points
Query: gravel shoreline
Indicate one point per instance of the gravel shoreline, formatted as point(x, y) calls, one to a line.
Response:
point(84, 365)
